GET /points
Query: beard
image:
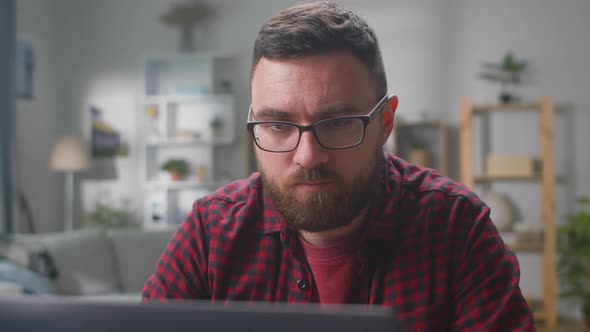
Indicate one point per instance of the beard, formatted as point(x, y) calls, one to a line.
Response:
point(321, 211)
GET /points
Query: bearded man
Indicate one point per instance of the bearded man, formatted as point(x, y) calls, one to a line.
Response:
point(331, 218)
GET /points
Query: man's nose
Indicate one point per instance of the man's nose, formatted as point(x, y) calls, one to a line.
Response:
point(309, 153)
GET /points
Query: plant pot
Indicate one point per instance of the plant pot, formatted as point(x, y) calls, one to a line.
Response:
point(217, 132)
point(175, 176)
point(506, 97)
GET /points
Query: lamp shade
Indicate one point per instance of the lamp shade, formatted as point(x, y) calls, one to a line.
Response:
point(69, 154)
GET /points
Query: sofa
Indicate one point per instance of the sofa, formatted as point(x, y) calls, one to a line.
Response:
point(110, 264)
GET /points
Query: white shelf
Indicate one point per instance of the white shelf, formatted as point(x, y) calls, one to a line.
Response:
point(181, 97)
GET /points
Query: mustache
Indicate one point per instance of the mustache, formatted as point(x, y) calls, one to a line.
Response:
point(312, 174)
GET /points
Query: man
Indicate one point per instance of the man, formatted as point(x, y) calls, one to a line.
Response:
point(330, 218)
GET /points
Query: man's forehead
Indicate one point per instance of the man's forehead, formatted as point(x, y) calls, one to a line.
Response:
point(322, 111)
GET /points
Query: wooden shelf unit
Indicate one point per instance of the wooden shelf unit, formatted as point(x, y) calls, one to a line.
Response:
point(545, 110)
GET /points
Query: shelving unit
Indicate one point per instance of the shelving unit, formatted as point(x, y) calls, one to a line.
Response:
point(545, 308)
point(186, 112)
point(431, 134)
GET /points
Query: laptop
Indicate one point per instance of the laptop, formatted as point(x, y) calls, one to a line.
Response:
point(48, 314)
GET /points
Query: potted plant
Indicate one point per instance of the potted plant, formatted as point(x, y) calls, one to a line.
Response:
point(574, 258)
point(178, 168)
point(509, 71)
point(106, 216)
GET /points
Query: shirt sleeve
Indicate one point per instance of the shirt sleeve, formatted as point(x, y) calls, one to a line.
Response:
point(180, 273)
point(487, 295)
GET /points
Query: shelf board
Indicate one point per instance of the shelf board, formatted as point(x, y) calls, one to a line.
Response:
point(530, 246)
point(507, 107)
point(489, 178)
point(563, 325)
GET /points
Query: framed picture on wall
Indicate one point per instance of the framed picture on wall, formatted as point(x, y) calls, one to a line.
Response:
point(26, 63)
point(107, 139)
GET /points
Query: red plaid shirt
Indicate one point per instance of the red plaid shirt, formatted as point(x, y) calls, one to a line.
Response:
point(429, 250)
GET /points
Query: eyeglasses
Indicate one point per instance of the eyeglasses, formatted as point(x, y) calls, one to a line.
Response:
point(333, 134)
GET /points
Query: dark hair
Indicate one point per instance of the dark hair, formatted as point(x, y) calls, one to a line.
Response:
point(320, 27)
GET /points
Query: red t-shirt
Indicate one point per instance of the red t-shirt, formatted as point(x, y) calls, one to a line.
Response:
point(334, 268)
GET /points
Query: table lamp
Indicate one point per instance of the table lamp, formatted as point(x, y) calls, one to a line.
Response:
point(69, 155)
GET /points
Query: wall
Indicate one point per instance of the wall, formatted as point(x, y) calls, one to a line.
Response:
point(7, 22)
point(36, 119)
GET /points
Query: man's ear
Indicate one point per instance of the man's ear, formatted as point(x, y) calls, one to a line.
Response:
point(388, 116)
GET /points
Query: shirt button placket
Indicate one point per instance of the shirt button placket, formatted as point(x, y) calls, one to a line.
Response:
point(302, 284)
point(304, 287)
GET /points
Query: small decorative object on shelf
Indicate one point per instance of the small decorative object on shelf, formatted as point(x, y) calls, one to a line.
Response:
point(187, 135)
point(186, 16)
point(512, 165)
point(152, 122)
point(528, 232)
point(178, 168)
point(501, 211)
point(216, 123)
point(574, 261)
point(201, 173)
point(509, 72)
point(420, 154)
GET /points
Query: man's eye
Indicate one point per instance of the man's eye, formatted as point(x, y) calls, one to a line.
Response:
point(279, 127)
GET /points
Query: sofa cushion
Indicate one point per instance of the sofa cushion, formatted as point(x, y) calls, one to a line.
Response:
point(27, 252)
point(84, 261)
point(26, 280)
point(137, 252)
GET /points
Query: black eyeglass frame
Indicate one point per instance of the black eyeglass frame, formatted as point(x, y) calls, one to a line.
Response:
point(366, 119)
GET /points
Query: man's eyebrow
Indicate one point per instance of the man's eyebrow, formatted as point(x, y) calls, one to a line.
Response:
point(268, 112)
point(331, 111)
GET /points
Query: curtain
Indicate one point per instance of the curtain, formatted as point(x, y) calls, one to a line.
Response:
point(7, 79)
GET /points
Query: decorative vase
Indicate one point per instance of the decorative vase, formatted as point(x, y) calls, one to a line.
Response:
point(152, 123)
point(501, 211)
point(507, 93)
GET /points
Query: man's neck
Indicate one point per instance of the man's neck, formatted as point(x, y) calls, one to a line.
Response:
point(333, 236)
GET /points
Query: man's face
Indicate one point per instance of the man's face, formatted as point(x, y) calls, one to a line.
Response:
point(318, 189)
